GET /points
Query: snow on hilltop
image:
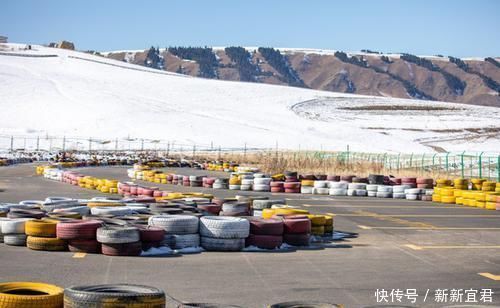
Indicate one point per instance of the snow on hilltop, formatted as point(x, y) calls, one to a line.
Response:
point(76, 94)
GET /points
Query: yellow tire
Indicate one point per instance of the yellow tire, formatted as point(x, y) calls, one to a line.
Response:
point(480, 204)
point(307, 182)
point(329, 229)
point(287, 212)
point(30, 295)
point(477, 181)
point(317, 220)
point(448, 199)
point(491, 206)
point(96, 204)
point(328, 221)
point(447, 192)
point(491, 197)
point(104, 189)
point(436, 198)
point(480, 197)
point(318, 230)
point(41, 228)
point(268, 213)
point(46, 243)
point(443, 181)
point(459, 200)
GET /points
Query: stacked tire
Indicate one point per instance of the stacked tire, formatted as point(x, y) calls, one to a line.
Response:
point(277, 186)
point(181, 231)
point(414, 193)
point(296, 230)
point(356, 189)
point(371, 190)
point(306, 186)
point(317, 224)
point(262, 183)
point(221, 184)
point(411, 182)
point(223, 233)
point(42, 235)
point(13, 231)
point(265, 233)
point(119, 240)
point(428, 183)
point(259, 205)
point(238, 208)
point(384, 191)
point(320, 187)
point(80, 235)
point(398, 191)
point(234, 183)
point(338, 188)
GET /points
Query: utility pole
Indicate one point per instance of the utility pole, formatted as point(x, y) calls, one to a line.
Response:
point(90, 144)
point(168, 148)
point(194, 151)
point(218, 156)
point(11, 143)
point(142, 145)
point(64, 143)
point(37, 143)
point(245, 153)
point(116, 145)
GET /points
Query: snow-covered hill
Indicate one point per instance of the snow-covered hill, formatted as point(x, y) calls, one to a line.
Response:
point(77, 94)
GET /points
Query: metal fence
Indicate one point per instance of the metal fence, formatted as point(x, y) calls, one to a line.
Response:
point(459, 164)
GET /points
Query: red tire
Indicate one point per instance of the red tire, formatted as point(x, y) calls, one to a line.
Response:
point(128, 249)
point(78, 229)
point(408, 180)
point(425, 181)
point(157, 193)
point(87, 246)
point(297, 225)
point(424, 186)
point(211, 208)
point(277, 184)
point(297, 239)
point(291, 185)
point(277, 189)
point(260, 226)
point(150, 233)
point(292, 190)
point(264, 241)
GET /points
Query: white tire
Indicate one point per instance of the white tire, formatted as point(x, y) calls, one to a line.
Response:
point(14, 226)
point(320, 191)
point(320, 184)
point(222, 244)
point(117, 235)
point(261, 187)
point(306, 189)
point(399, 188)
point(398, 195)
point(371, 193)
point(429, 192)
point(245, 187)
point(356, 186)
point(111, 210)
point(337, 192)
point(384, 189)
point(82, 210)
point(266, 204)
point(411, 196)
point(180, 241)
point(338, 185)
point(234, 187)
point(257, 213)
point(262, 181)
point(15, 239)
point(413, 191)
point(371, 187)
point(384, 194)
point(224, 227)
point(175, 224)
point(247, 182)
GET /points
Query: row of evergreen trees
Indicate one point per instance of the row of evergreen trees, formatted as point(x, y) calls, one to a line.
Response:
point(451, 80)
point(490, 83)
point(204, 56)
point(280, 64)
point(412, 90)
point(242, 59)
point(154, 59)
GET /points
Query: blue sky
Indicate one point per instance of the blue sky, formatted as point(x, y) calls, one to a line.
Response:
point(459, 28)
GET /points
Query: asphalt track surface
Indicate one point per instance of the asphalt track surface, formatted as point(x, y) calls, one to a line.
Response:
point(401, 245)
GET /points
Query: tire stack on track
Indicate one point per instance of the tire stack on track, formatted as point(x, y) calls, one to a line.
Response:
point(42, 235)
point(277, 186)
point(150, 236)
point(398, 191)
point(223, 233)
point(261, 182)
point(347, 178)
point(328, 225)
point(181, 231)
point(235, 183)
point(80, 234)
point(414, 193)
point(186, 180)
point(318, 223)
point(209, 209)
point(376, 179)
point(320, 187)
point(356, 189)
point(238, 208)
point(221, 184)
point(208, 182)
point(297, 230)
point(292, 183)
point(338, 188)
point(371, 190)
point(13, 231)
point(119, 240)
point(265, 233)
point(307, 185)
point(384, 191)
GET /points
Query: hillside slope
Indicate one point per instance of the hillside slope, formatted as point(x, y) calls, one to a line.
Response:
point(393, 75)
point(54, 91)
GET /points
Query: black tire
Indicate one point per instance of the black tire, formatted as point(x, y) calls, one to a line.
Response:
point(206, 305)
point(120, 294)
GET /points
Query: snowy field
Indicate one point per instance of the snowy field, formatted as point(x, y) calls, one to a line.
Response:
point(77, 94)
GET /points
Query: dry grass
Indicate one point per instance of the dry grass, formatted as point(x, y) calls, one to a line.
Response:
point(312, 163)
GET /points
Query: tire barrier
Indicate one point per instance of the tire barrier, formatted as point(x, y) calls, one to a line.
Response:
point(223, 233)
point(30, 294)
point(123, 295)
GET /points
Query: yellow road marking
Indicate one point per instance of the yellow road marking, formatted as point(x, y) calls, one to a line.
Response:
point(79, 255)
point(425, 228)
point(490, 276)
point(396, 220)
point(418, 247)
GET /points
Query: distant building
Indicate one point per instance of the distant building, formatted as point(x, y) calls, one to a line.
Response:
point(3, 39)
